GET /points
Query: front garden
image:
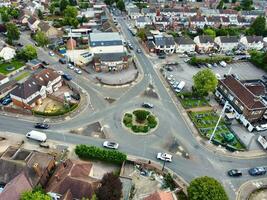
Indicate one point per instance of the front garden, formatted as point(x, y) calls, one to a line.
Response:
point(140, 121)
point(206, 121)
point(188, 100)
point(57, 110)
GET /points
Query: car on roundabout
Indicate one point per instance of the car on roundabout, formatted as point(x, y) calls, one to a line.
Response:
point(234, 173)
point(41, 126)
point(110, 145)
point(164, 156)
point(257, 171)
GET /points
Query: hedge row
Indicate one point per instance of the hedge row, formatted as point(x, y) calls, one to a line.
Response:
point(214, 59)
point(93, 152)
point(57, 113)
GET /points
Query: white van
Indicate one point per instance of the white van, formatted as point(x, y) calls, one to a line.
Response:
point(36, 135)
point(180, 86)
point(67, 96)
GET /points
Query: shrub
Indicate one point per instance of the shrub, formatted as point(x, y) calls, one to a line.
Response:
point(127, 120)
point(169, 182)
point(93, 152)
point(152, 122)
point(141, 115)
point(58, 112)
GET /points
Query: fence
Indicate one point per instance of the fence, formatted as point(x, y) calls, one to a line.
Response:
point(16, 110)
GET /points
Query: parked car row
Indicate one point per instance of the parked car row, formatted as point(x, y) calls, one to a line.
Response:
point(255, 171)
point(177, 86)
point(210, 65)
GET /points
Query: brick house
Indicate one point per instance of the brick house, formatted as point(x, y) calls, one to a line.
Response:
point(32, 91)
point(244, 99)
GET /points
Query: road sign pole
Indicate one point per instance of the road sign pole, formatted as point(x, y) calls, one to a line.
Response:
point(163, 165)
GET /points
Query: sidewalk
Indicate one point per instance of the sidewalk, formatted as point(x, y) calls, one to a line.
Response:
point(248, 187)
point(216, 149)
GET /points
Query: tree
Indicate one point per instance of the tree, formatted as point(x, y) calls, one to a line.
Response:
point(205, 82)
point(141, 115)
point(141, 34)
point(70, 16)
point(206, 188)
point(63, 5)
point(31, 195)
point(120, 5)
point(12, 32)
point(258, 27)
point(210, 32)
point(220, 5)
point(27, 53)
point(246, 4)
point(41, 38)
point(40, 14)
point(110, 189)
point(109, 2)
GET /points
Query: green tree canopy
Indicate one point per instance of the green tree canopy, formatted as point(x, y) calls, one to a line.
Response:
point(258, 27)
point(206, 188)
point(210, 32)
point(12, 32)
point(70, 16)
point(220, 5)
point(141, 34)
point(120, 5)
point(41, 38)
point(246, 4)
point(27, 53)
point(63, 5)
point(110, 189)
point(205, 82)
point(31, 195)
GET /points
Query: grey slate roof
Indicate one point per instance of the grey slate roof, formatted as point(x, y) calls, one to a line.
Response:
point(110, 57)
point(164, 40)
point(254, 38)
point(26, 89)
point(184, 40)
point(205, 39)
point(229, 39)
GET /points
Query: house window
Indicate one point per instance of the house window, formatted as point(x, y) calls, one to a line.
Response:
point(221, 86)
point(230, 97)
point(225, 91)
point(236, 102)
point(241, 108)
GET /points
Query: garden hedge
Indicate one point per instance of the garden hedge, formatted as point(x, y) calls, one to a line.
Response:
point(93, 152)
point(57, 113)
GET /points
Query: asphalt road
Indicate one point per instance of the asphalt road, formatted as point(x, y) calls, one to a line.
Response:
point(171, 124)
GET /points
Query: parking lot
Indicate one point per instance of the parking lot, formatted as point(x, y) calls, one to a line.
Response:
point(184, 72)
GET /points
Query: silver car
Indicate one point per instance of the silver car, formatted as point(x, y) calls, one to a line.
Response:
point(110, 145)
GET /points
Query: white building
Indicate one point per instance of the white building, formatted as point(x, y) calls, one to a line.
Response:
point(252, 42)
point(3, 79)
point(7, 53)
point(141, 22)
point(204, 43)
point(184, 44)
point(106, 42)
point(227, 43)
point(164, 44)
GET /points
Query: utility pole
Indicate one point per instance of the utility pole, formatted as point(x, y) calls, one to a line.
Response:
point(163, 165)
point(215, 128)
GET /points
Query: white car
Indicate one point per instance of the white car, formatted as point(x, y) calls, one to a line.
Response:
point(77, 70)
point(164, 156)
point(51, 53)
point(70, 66)
point(261, 127)
point(110, 145)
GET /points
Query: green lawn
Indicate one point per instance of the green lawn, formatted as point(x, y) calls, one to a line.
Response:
point(15, 63)
point(22, 76)
point(189, 101)
point(206, 121)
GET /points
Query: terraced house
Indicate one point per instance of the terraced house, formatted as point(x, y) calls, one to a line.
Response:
point(244, 99)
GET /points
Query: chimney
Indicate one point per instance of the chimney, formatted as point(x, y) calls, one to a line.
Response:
point(37, 169)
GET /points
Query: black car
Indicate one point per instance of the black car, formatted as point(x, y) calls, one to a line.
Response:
point(76, 96)
point(62, 61)
point(67, 77)
point(264, 77)
point(257, 171)
point(147, 105)
point(45, 63)
point(6, 100)
point(41, 126)
point(234, 173)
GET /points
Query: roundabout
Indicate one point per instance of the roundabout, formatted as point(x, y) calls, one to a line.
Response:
point(140, 122)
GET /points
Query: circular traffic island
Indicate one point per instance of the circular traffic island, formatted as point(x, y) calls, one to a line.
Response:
point(140, 121)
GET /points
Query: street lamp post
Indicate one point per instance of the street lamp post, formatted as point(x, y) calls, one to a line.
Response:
point(215, 128)
point(164, 162)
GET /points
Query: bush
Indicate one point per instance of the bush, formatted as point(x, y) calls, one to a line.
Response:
point(201, 60)
point(56, 113)
point(141, 115)
point(127, 120)
point(152, 122)
point(169, 182)
point(92, 152)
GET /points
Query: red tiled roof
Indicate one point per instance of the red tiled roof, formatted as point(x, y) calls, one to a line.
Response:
point(257, 90)
point(160, 195)
point(242, 93)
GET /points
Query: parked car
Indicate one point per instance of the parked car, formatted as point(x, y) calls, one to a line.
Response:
point(6, 101)
point(45, 63)
point(234, 173)
point(209, 65)
point(44, 145)
point(223, 64)
point(70, 66)
point(51, 53)
point(78, 71)
point(76, 96)
point(67, 96)
point(261, 127)
point(41, 126)
point(264, 77)
point(139, 51)
point(62, 61)
point(257, 171)
point(147, 105)
point(67, 77)
point(164, 156)
point(110, 145)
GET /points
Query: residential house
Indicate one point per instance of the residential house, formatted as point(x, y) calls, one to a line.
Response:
point(228, 13)
point(34, 64)
point(164, 44)
point(49, 31)
point(3, 79)
point(34, 6)
point(84, 58)
point(245, 104)
point(134, 13)
point(204, 43)
point(142, 21)
point(111, 62)
point(162, 21)
point(227, 43)
point(7, 53)
point(106, 42)
point(242, 21)
point(23, 18)
point(184, 44)
point(197, 21)
point(252, 42)
point(161, 195)
point(213, 21)
point(74, 179)
point(252, 14)
point(225, 21)
point(33, 23)
point(149, 12)
point(21, 170)
point(31, 92)
point(187, 12)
